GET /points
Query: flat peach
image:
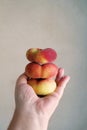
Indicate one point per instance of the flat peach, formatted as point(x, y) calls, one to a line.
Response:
point(41, 56)
point(43, 87)
point(34, 70)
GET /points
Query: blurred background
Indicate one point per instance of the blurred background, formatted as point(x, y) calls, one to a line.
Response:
point(59, 24)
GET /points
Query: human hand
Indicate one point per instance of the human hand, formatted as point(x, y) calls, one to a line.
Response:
point(34, 108)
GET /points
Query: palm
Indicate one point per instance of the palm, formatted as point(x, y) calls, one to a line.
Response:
point(25, 95)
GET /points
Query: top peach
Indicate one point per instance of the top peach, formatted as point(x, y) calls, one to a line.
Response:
point(41, 56)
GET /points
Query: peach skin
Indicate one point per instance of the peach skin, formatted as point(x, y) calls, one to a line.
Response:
point(49, 70)
point(34, 70)
point(46, 55)
point(31, 53)
point(41, 56)
point(42, 86)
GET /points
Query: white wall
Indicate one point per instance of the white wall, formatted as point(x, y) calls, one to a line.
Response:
point(59, 24)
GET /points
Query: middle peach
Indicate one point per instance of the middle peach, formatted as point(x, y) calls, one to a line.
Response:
point(35, 70)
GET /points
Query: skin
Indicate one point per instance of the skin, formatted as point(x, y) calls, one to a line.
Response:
point(32, 112)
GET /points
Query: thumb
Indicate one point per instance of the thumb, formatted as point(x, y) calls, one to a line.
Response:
point(23, 89)
point(51, 101)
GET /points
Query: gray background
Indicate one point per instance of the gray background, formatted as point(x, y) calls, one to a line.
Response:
point(59, 24)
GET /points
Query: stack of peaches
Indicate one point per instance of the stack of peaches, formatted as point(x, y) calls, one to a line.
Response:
point(40, 70)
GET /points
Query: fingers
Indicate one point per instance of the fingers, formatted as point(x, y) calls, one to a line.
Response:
point(61, 82)
point(61, 86)
point(22, 79)
point(60, 74)
point(52, 100)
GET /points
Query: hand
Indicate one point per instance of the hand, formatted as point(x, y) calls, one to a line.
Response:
point(35, 108)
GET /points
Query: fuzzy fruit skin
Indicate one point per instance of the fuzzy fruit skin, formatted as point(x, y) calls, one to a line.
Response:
point(34, 70)
point(46, 55)
point(41, 56)
point(42, 86)
point(31, 53)
point(49, 70)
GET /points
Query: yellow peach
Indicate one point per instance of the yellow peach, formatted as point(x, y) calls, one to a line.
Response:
point(42, 86)
point(31, 53)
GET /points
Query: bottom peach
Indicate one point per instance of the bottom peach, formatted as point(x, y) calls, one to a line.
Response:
point(42, 86)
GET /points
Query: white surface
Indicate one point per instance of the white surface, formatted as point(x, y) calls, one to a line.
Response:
point(59, 24)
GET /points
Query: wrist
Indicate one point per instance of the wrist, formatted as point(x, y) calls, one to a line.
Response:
point(23, 119)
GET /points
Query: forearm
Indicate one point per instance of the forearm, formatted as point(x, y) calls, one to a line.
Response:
point(25, 121)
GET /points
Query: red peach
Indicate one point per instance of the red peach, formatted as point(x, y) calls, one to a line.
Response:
point(49, 70)
point(34, 70)
point(46, 55)
point(41, 56)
